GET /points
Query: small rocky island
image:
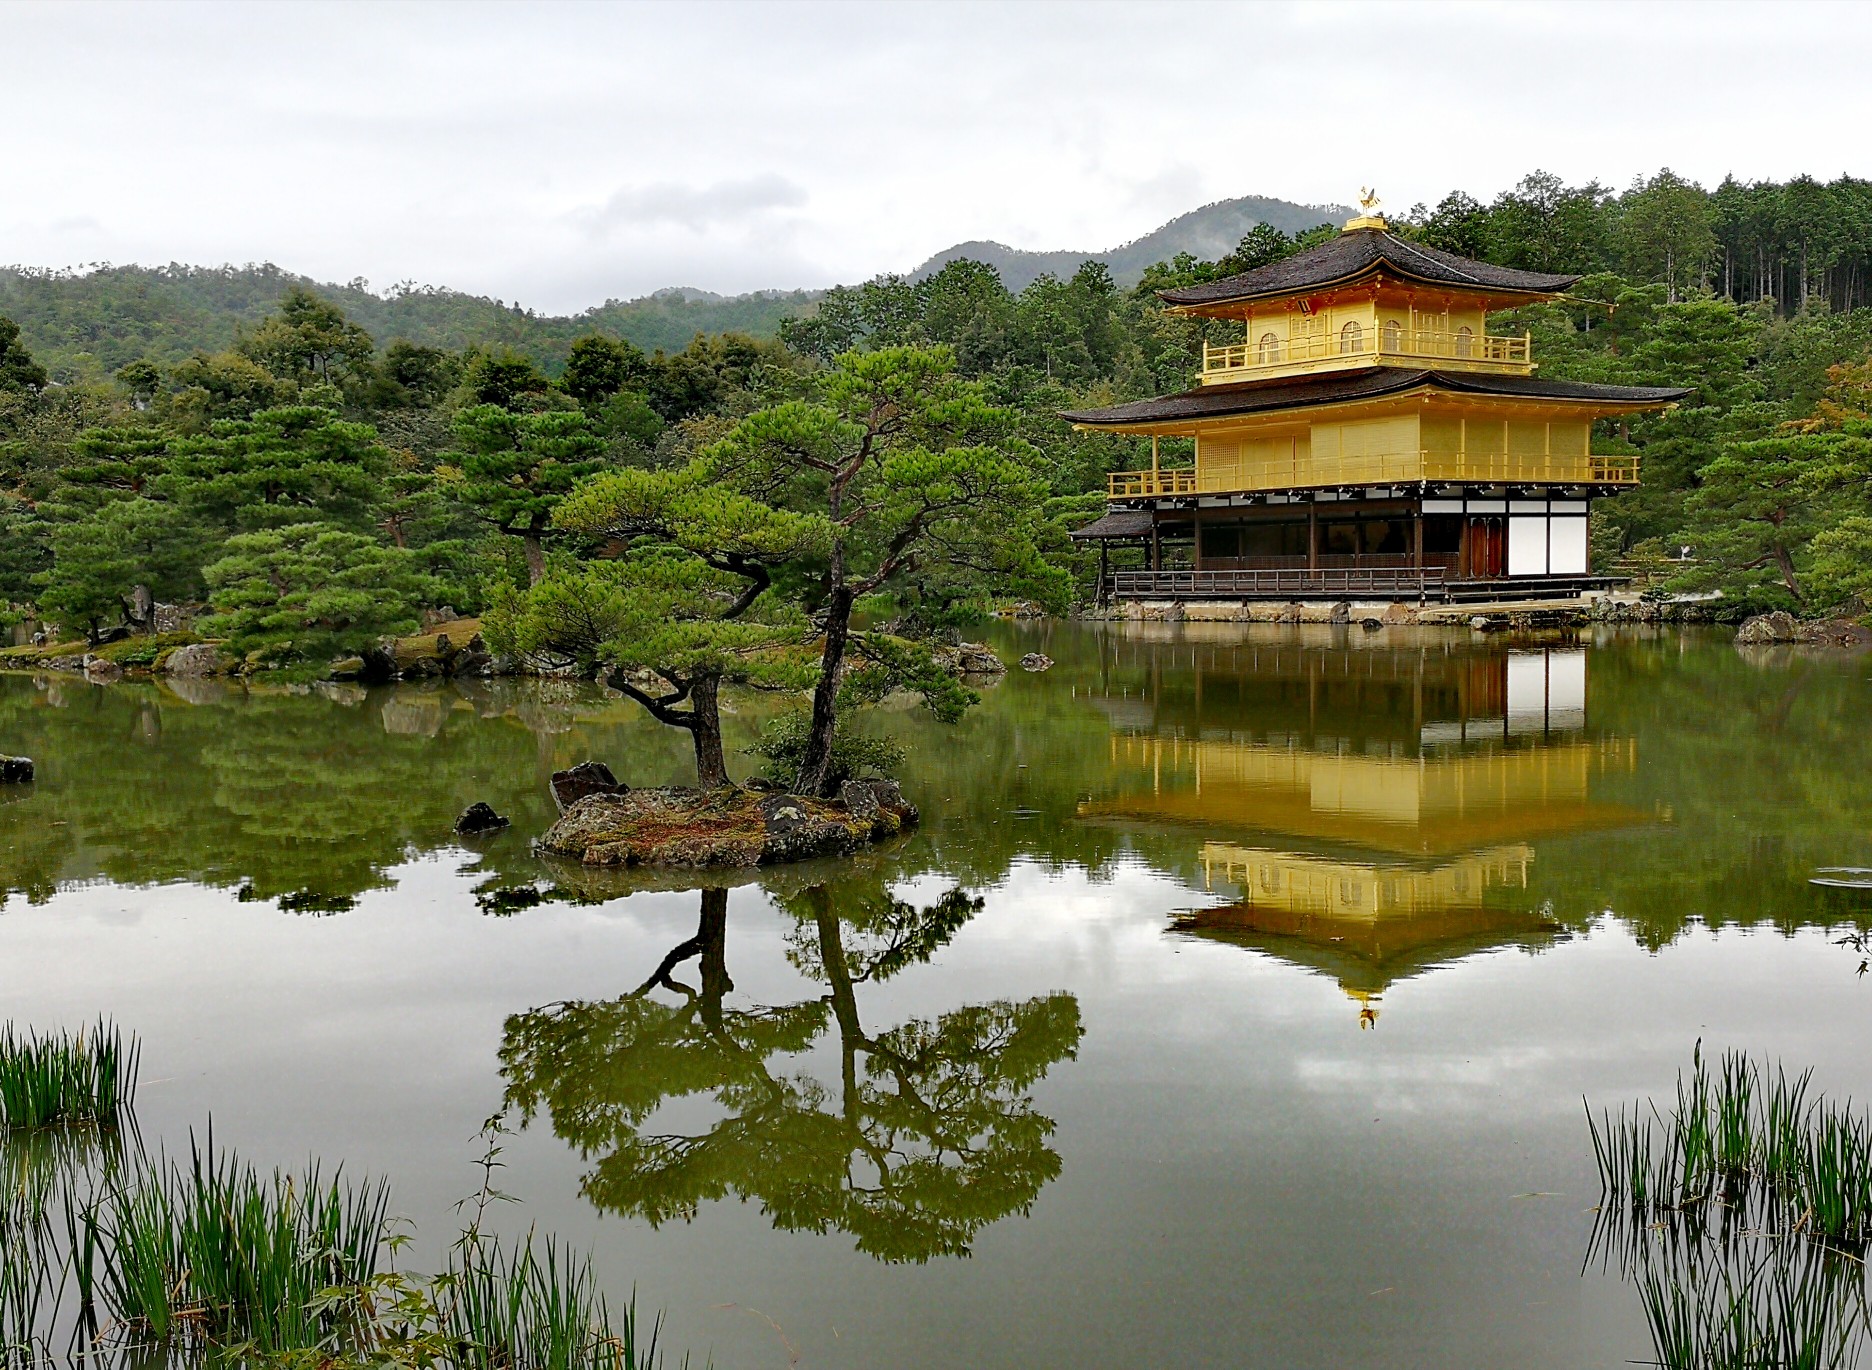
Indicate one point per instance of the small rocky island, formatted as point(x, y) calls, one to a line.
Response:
point(605, 823)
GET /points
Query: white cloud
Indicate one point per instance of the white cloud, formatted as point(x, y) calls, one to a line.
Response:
point(725, 204)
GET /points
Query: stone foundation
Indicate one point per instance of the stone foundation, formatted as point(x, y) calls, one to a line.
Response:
point(1377, 611)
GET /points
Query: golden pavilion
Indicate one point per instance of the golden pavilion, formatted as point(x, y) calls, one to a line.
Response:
point(1369, 438)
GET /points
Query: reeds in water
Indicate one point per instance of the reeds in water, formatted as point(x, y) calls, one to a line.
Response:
point(29, 1287)
point(66, 1080)
point(214, 1252)
point(103, 1247)
point(208, 1260)
point(1744, 1143)
point(1743, 1214)
point(535, 1305)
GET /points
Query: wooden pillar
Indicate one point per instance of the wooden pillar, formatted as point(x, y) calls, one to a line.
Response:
point(1196, 547)
point(1156, 545)
point(1312, 536)
point(1417, 549)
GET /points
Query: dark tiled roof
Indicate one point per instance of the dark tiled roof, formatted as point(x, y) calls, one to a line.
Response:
point(1126, 523)
point(1358, 253)
point(1252, 397)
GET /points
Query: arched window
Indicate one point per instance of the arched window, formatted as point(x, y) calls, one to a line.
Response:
point(1465, 341)
point(1393, 336)
point(1351, 340)
point(1269, 348)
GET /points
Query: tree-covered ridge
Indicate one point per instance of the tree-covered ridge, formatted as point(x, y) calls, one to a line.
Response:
point(89, 323)
point(1796, 242)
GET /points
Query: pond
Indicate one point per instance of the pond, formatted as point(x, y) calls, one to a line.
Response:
point(1233, 1004)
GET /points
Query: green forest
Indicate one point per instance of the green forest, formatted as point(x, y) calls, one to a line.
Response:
point(317, 466)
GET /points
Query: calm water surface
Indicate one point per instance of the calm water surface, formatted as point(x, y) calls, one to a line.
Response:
point(1233, 1005)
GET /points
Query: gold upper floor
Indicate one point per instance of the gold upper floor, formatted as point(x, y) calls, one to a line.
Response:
point(1382, 323)
point(1405, 441)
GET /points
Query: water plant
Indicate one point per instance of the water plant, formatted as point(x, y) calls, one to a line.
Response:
point(208, 1259)
point(67, 1080)
point(1742, 1213)
point(215, 1252)
point(534, 1304)
point(28, 1287)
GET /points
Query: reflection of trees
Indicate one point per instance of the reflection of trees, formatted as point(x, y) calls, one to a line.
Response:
point(304, 796)
point(927, 1135)
point(1761, 772)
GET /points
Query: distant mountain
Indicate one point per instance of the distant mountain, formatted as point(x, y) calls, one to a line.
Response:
point(1206, 233)
point(90, 322)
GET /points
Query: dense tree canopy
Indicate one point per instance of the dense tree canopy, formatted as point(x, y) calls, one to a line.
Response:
point(18, 371)
point(687, 605)
point(313, 590)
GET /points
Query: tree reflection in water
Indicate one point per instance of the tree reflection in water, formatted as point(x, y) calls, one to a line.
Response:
point(928, 1135)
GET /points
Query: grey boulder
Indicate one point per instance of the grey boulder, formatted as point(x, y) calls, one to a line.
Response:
point(587, 778)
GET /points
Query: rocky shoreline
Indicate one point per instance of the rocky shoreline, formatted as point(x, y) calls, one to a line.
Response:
point(451, 650)
point(1376, 614)
point(1783, 629)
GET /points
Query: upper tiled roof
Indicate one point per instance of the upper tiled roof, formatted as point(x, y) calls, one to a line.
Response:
point(1360, 252)
point(1251, 397)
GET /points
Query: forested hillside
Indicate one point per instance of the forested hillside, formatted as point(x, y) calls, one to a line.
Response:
point(90, 323)
point(318, 444)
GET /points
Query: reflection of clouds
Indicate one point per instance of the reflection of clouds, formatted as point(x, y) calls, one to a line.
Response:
point(1103, 928)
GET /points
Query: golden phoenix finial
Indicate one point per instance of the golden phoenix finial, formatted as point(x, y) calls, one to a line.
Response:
point(1368, 199)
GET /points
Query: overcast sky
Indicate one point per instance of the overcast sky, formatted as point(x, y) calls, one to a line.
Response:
point(559, 155)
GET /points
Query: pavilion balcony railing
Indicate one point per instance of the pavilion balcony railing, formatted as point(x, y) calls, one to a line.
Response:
point(1488, 350)
point(1288, 583)
point(1144, 484)
point(1335, 561)
point(1326, 470)
point(1614, 470)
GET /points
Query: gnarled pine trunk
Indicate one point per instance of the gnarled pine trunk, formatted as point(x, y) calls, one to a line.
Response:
point(815, 772)
point(704, 726)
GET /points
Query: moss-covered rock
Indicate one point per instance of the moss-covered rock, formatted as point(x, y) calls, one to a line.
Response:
point(727, 827)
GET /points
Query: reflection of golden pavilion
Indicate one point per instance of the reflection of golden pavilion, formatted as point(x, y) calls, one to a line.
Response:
point(1415, 779)
point(1366, 925)
point(1416, 805)
point(1352, 896)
